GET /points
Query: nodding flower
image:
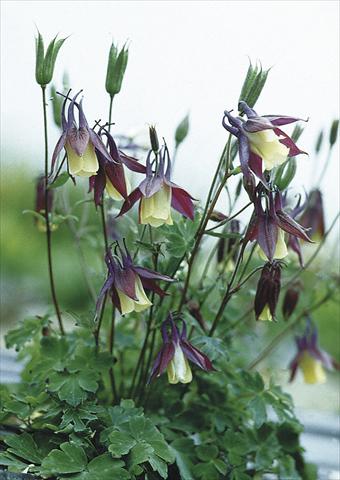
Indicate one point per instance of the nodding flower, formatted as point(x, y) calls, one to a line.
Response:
point(268, 224)
point(260, 140)
point(80, 142)
point(313, 216)
point(175, 353)
point(126, 282)
point(157, 194)
point(111, 173)
point(310, 358)
point(268, 291)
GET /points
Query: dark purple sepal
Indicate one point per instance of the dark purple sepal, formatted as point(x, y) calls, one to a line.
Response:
point(130, 200)
point(125, 281)
point(182, 202)
point(196, 357)
point(289, 143)
point(164, 357)
point(289, 225)
point(279, 120)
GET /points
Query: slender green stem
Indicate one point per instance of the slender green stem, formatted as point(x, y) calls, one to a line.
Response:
point(47, 220)
point(227, 220)
point(111, 344)
point(205, 219)
point(110, 112)
point(276, 340)
point(228, 294)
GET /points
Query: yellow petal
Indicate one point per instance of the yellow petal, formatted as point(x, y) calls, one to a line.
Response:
point(312, 369)
point(75, 162)
point(266, 144)
point(129, 305)
point(143, 301)
point(265, 315)
point(280, 249)
point(156, 210)
point(179, 369)
point(84, 165)
point(113, 192)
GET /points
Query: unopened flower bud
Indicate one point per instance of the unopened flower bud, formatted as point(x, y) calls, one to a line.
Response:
point(217, 216)
point(44, 64)
point(268, 291)
point(182, 130)
point(319, 141)
point(333, 134)
point(154, 139)
point(290, 301)
point(116, 67)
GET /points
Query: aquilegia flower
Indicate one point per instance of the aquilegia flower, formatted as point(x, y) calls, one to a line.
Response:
point(313, 216)
point(310, 358)
point(268, 225)
point(268, 291)
point(157, 194)
point(260, 140)
point(175, 353)
point(291, 299)
point(111, 175)
point(81, 143)
point(126, 282)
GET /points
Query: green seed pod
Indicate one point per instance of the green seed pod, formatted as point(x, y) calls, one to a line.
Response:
point(319, 141)
point(44, 64)
point(154, 139)
point(333, 134)
point(57, 100)
point(253, 85)
point(116, 67)
point(285, 174)
point(182, 130)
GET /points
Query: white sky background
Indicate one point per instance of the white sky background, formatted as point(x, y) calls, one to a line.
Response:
point(184, 56)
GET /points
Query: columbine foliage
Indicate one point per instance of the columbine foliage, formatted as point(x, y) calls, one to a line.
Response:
point(92, 403)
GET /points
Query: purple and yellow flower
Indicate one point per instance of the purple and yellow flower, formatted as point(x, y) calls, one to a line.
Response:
point(313, 216)
point(111, 174)
point(268, 224)
point(175, 353)
point(310, 359)
point(80, 142)
point(126, 283)
point(157, 194)
point(268, 291)
point(260, 140)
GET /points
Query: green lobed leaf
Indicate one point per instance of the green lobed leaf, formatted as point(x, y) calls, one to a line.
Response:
point(60, 180)
point(120, 443)
point(24, 447)
point(257, 406)
point(69, 459)
point(26, 331)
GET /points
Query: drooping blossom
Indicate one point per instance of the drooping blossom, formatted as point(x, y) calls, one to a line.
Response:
point(268, 291)
point(310, 359)
point(111, 174)
point(313, 216)
point(126, 283)
point(80, 142)
point(175, 353)
point(157, 194)
point(269, 222)
point(290, 300)
point(261, 142)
